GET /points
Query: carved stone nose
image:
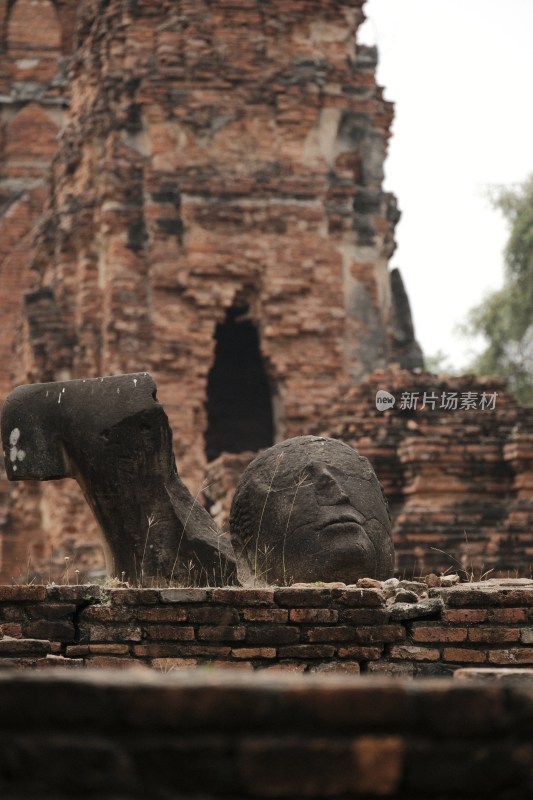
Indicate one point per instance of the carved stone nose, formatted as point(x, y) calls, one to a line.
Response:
point(328, 490)
point(113, 437)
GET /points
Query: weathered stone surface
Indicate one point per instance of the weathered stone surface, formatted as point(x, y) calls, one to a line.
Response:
point(10, 593)
point(112, 435)
point(23, 647)
point(52, 660)
point(405, 349)
point(518, 676)
point(424, 608)
point(404, 596)
point(307, 509)
point(183, 595)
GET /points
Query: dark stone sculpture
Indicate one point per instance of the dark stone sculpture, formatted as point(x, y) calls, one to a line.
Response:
point(405, 349)
point(308, 509)
point(113, 437)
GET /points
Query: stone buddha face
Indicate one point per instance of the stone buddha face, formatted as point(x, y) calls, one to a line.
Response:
point(311, 509)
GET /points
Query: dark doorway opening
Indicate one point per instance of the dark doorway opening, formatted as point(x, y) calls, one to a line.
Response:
point(239, 407)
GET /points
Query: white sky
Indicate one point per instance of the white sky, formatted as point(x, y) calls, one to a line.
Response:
point(460, 73)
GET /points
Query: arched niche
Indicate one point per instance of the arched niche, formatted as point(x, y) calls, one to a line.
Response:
point(33, 40)
point(33, 25)
point(30, 142)
point(239, 401)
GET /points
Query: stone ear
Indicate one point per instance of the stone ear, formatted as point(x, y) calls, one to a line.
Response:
point(31, 441)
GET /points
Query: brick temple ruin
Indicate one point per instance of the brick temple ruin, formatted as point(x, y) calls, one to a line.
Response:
point(195, 189)
point(318, 701)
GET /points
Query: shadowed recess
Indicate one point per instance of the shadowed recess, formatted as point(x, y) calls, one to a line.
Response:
point(239, 408)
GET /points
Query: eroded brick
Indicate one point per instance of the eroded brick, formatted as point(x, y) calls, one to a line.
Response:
point(410, 653)
point(178, 633)
point(221, 633)
point(306, 615)
point(437, 633)
point(464, 655)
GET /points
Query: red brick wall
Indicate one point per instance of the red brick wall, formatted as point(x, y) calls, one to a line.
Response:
point(459, 482)
point(329, 629)
point(232, 735)
point(213, 158)
point(35, 39)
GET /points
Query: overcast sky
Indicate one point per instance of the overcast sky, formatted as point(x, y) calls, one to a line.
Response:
point(460, 73)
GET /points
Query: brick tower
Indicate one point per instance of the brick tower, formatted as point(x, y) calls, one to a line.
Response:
point(216, 213)
point(36, 38)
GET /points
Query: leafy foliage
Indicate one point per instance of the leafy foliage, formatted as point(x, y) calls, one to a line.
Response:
point(438, 363)
point(505, 317)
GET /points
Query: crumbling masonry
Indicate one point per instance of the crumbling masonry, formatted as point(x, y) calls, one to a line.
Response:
point(214, 214)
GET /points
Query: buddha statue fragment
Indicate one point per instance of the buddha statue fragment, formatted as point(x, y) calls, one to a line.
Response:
point(307, 509)
point(113, 436)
